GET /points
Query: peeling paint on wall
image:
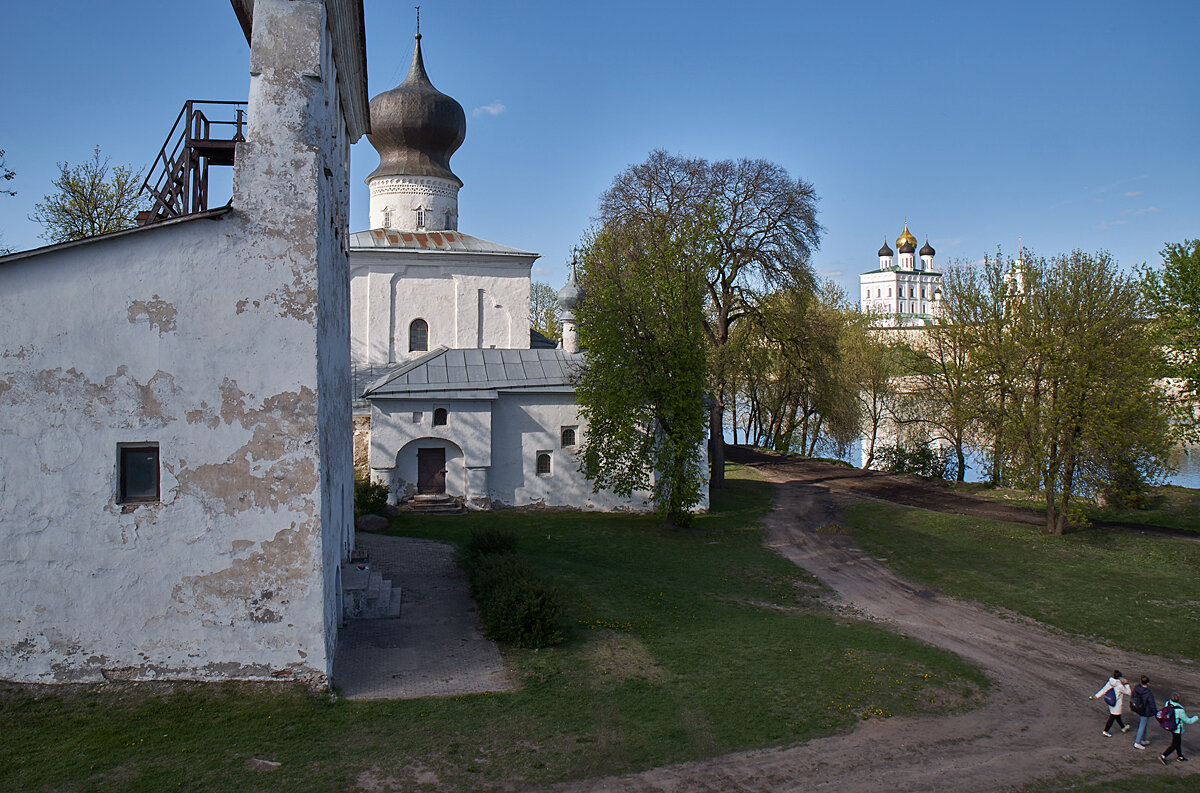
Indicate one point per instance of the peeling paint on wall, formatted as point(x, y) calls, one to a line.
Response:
point(157, 312)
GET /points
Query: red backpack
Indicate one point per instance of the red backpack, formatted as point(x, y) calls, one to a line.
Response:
point(1166, 718)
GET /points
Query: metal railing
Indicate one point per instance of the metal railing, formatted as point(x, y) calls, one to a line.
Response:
point(177, 181)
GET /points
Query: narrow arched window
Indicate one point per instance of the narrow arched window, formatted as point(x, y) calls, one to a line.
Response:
point(421, 218)
point(568, 436)
point(439, 417)
point(543, 464)
point(418, 336)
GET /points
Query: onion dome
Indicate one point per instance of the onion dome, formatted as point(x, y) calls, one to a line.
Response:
point(415, 127)
point(570, 295)
point(926, 249)
point(885, 250)
point(906, 238)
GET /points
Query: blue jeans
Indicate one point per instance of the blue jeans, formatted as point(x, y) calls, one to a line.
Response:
point(1141, 733)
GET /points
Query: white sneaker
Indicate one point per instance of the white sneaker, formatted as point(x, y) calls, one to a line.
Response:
point(1139, 746)
point(1106, 734)
point(1127, 728)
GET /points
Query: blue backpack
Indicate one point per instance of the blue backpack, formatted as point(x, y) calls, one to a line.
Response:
point(1110, 697)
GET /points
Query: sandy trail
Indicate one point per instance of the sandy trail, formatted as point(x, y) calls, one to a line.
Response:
point(1037, 723)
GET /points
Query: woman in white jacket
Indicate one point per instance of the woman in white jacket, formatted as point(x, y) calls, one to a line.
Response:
point(1120, 688)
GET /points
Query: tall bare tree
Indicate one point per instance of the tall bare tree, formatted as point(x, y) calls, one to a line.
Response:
point(88, 201)
point(767, 232)
point(543, 310)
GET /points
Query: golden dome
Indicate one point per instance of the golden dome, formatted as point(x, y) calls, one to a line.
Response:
point(906, 237)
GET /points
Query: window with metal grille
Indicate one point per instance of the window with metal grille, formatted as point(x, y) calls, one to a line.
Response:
point(543, 463)
point(137, 472)
point(568, 436)
point(439, 417)
point(418, 336)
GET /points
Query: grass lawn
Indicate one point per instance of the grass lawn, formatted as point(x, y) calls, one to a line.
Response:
point(1169, 505)
point(1138, 783)
point(1133, 591)
point(682, 644)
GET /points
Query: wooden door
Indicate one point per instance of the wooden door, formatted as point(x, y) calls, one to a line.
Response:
point(431, 471)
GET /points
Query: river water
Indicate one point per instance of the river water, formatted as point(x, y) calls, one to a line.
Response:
point(1185, 460)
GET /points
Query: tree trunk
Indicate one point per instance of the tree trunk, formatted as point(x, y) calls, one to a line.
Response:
point(716, 447)
point(962, 461)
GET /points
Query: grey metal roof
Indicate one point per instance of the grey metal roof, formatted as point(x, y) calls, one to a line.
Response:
point(477, 374)
point(429, 241)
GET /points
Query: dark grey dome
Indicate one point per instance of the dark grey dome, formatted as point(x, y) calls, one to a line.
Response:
point(570, 295)
point(885, 250)
point(415, 127)
point(926, 249)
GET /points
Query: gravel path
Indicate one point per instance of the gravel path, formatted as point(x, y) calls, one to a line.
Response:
point(1037, 724)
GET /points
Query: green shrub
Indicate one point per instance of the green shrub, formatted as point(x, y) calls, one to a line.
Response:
point(519, 605)
point(369, 498)
point(484, 542)
point(914, 457)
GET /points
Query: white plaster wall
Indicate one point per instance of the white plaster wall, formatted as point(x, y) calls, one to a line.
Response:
point(215, 339)
point(395, 438)
point(525, 424)
point(469, 301)
point(403, 195)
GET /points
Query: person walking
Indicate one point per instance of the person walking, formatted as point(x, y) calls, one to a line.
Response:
point(1181, 718)
point(1142, 703)
point(1119, 688)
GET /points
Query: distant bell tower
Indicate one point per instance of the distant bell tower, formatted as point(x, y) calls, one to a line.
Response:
point(416, 129)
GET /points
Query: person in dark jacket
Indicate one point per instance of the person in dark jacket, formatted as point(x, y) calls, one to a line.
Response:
point(1181, 718)
point(1144, 706)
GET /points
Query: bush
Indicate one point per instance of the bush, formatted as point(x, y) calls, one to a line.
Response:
point(369, 498)
point(519, 605)
point(914, 458)
point(487, 542)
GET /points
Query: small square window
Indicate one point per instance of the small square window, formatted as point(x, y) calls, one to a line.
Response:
point(543, 463)
point(568, 436)
point(137, 474)
point(417, 416)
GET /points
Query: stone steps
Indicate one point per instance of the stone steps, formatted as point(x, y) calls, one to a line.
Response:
point(366, 594)
point(433, 505)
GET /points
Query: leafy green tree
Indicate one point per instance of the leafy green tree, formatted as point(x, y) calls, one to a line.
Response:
point(766, 231)
point(641, 387)
point(89, 200)
point(543, 310)
point(1174, 295)
point(874, 365)
point(1085, 404)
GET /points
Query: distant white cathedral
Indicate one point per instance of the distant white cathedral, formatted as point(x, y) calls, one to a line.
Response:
point(907, 292)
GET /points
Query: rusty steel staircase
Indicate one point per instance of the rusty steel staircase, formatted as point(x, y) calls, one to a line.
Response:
point(177, 183)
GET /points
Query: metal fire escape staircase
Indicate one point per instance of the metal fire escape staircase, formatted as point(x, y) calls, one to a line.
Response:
point(177, 183)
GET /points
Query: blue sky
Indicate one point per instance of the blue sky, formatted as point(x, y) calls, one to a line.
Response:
point(1071, 124)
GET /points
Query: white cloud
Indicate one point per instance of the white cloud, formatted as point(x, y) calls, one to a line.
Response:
point(1147, 210)
point(494, 109)
point(1104, 224)
point(1132, 193)
point(830, 273)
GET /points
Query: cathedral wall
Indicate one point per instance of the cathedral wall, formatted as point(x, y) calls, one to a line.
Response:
point(529, 424)
point(467, 302)
point(220, 344)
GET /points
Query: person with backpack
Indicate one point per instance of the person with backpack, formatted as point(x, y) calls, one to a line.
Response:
point(1172, 717)
point(1114, 693)
point(1142, 703)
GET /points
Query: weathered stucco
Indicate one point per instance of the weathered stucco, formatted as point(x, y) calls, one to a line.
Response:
point(226, 343)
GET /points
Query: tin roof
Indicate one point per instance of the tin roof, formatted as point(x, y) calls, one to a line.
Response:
point(454, 241)
point(477, 374)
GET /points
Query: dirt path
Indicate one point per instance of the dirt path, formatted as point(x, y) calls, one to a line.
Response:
point(1037, 724)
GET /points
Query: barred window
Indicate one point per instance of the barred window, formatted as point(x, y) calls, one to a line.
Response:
point(543, 463)
point(568, 436)
point(418, 336)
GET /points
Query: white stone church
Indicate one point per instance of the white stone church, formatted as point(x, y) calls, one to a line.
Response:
point(904, 293)
point(463, 399)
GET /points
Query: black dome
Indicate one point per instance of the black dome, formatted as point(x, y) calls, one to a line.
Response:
point(907, 247)
point(926, 249)
point(885, 250)
point(415, 127)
